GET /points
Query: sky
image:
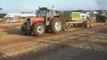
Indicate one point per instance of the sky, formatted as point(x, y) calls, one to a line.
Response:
point(32, 5)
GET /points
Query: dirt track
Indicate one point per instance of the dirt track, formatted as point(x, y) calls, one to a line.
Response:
point(83, 44)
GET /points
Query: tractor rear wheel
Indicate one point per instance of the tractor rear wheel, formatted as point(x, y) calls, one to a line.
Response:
point(56, 25)
point(38, 29)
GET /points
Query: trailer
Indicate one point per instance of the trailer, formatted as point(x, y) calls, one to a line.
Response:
point(70, 19)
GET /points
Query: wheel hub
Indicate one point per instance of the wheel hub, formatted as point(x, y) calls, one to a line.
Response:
point(58, 26)
point(40, 29)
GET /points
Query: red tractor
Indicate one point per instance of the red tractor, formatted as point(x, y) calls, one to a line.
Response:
point(46, 19)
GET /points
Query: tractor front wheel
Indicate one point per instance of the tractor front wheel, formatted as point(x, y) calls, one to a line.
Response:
point(38, 29)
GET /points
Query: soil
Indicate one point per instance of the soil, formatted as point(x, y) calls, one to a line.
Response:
point(76, 44)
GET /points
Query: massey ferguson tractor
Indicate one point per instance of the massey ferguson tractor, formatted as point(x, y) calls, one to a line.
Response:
point(46, 19)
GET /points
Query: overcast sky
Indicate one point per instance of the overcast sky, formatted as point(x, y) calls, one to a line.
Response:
point(32, 5)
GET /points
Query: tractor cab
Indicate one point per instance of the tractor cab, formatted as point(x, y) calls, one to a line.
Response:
point(47, 14)
point(42, 12)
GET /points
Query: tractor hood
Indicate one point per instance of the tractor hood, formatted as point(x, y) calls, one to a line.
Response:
point(36, 19)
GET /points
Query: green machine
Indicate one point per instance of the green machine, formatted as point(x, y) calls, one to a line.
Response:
point(71, 16)
point(75, 16)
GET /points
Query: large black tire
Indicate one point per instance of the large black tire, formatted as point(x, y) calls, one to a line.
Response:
point(38, 29)
point(56, 25)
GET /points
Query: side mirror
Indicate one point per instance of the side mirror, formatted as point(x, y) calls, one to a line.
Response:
point(36, 12)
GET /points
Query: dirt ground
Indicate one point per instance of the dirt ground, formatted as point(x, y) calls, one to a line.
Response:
point(77, 44)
